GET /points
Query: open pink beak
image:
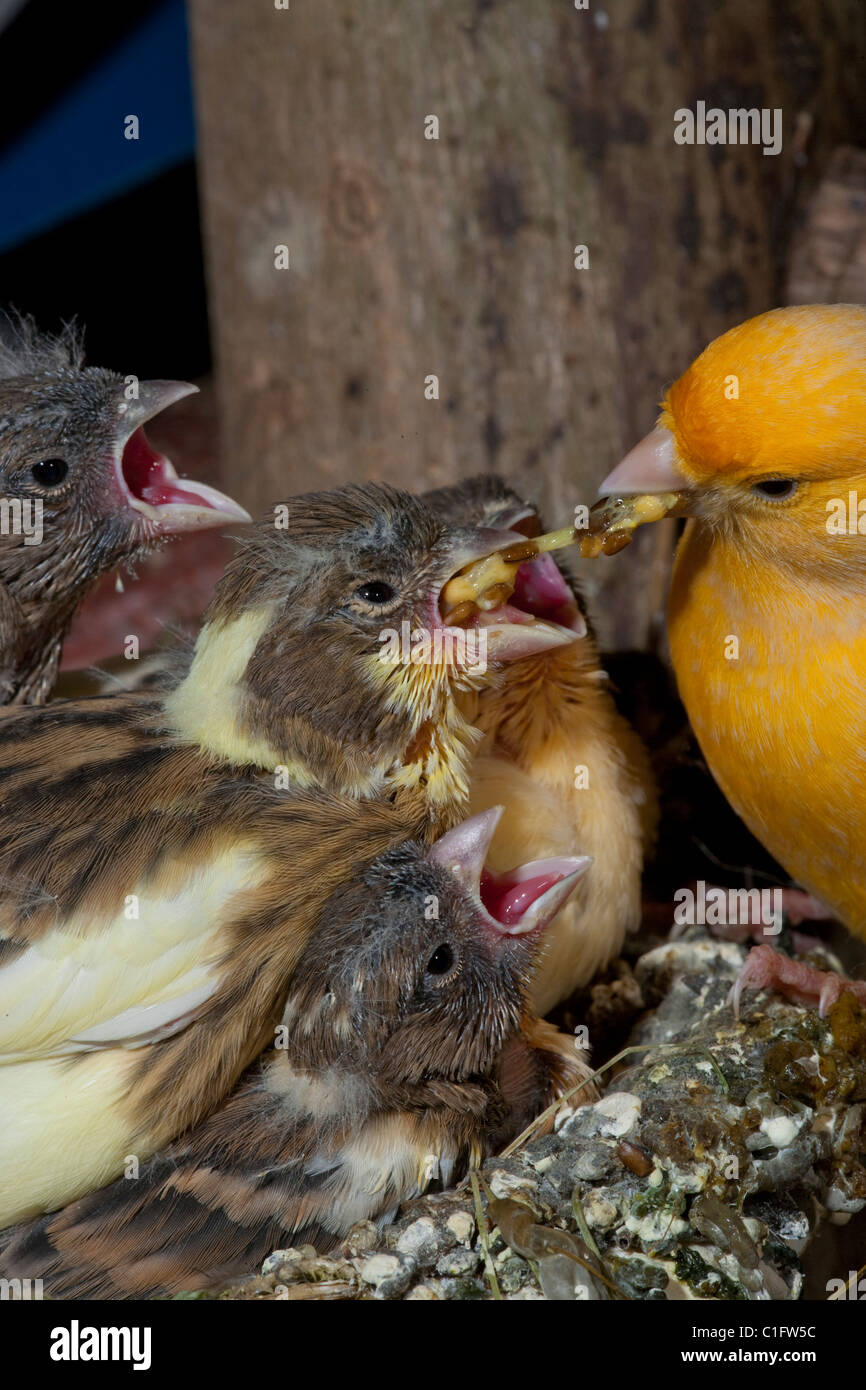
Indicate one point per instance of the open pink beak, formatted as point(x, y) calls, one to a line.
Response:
point(516, 903)
point(541, 613)
point(148, 482)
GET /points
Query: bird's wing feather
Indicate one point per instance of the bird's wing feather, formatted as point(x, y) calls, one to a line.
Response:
point(207, 1210)
point(247, 1180)
point(87, 985)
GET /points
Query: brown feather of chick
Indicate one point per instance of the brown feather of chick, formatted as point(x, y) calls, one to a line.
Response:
point(286, 757)
point(391, 1076)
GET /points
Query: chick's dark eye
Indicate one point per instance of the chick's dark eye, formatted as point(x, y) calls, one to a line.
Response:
point(441, 961)
point(776, 488)
point(377, 591)
point(49, 472)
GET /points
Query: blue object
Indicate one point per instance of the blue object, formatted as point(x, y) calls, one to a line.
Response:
point(76, 155)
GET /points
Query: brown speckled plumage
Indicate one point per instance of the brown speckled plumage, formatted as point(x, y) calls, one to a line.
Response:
point(391, 1075)
point(274, 770)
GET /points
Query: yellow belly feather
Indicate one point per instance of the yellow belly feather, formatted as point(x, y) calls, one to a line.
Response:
point(772, 678)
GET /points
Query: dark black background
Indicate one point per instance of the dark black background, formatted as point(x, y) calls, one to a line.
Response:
point(131, 270)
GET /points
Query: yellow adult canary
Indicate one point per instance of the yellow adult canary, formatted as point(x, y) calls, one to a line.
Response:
point(764, 435)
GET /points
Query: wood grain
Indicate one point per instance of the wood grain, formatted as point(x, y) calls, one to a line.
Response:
point(455, 257)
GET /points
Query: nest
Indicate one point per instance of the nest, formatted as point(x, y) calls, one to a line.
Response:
point(720, 1148)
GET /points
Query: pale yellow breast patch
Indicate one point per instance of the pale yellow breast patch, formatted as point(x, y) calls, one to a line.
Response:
point(64, 1126)
point(136, 971)
point(205, 709)
point(63, 1131)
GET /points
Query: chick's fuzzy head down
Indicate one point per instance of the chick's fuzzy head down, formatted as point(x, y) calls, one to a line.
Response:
point(406, 981)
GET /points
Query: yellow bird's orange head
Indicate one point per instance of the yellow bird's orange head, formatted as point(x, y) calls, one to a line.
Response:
point(765, 432)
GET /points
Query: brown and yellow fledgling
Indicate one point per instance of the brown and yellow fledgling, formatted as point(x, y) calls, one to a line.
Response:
point(81, 490)
point(402, 1031)
point(164, 857)
point(572, 775)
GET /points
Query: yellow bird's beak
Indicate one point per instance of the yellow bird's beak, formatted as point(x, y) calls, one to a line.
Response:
point(649, 467)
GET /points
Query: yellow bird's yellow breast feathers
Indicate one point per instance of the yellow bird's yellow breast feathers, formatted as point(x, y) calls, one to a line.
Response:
point(772, 680)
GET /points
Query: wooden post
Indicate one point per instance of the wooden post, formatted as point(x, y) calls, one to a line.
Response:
point(412, 257)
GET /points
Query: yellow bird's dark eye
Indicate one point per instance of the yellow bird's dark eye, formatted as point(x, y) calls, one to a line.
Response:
point(49, 472)
point(776, 489)
point(377, 591)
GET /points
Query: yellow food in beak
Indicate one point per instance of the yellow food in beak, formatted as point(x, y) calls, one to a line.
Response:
point(488, 582)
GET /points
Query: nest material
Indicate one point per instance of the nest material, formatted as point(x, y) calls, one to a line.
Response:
point(702, 1173)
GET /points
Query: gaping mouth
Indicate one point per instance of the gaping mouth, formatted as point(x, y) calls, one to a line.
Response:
point(517, 903)
point(148, 482)
point(527, 609)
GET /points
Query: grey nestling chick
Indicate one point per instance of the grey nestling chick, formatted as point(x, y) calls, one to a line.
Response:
point(403, 1031)
point(81, 490)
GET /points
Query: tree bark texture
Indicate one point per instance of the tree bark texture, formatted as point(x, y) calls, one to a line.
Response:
point(411, 257)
